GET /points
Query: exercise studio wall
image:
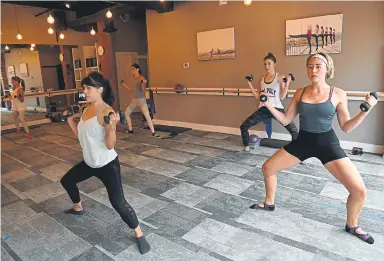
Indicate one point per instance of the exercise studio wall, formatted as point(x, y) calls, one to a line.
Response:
point(259, 29)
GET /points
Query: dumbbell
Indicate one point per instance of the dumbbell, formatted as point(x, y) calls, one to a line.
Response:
point(249, 77)
point(123, 119)
point(292, 78)
point(64, 118)
point(263, 98)
point(365, 106)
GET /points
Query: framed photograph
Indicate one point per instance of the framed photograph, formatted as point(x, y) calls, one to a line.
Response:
point(216, 45)
point(24, 69)
point(11, 71)
point(314, 34)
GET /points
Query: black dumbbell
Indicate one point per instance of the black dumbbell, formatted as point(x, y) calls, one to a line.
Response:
point(263, 98)
point(365, 106)
point(249, 77)
point(292, 78)
point(123, 119)
point(64, 118)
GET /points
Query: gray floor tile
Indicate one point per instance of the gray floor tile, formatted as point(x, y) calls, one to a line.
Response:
point(92, 254)
point(198, 176)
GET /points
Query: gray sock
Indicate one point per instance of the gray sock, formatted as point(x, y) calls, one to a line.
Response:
point(144, 246)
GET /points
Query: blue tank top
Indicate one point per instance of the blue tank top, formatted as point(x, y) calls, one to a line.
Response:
point(316, 117)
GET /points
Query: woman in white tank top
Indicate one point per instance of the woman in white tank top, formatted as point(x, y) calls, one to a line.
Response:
point(18, 105)
point(97, 140)
point(271, 84)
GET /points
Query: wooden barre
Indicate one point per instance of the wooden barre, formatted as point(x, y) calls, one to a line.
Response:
point(44, 94)
point(243, 90)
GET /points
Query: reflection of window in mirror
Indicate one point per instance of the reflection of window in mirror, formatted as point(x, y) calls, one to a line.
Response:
point(90, 58)
point(77, 66)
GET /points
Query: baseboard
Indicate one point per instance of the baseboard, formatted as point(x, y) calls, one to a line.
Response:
point(347, 145)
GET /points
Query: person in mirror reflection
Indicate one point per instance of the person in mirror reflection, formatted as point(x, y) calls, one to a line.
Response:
point(18, 105)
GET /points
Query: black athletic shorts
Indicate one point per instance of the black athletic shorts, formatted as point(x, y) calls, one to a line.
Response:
point(324, 145)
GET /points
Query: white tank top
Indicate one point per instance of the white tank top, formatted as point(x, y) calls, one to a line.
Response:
point(92, 141)
point(16, 103)
point(273, 91)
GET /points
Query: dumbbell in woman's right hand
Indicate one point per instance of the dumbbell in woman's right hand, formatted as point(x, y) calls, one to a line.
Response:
point(249, 77)
point(364, 106)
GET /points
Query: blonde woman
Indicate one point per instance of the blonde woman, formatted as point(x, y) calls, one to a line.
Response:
point(317, 104)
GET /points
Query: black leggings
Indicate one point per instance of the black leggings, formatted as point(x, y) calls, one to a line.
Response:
point(110, 176)
point(258, 116)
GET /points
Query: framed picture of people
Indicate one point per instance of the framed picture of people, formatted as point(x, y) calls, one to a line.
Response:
point(315, 34)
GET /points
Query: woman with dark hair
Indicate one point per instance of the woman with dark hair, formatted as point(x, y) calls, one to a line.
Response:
point(18, 105)
point(97, 140)
point(272, 83)
point(138, 99)
point(317, 104)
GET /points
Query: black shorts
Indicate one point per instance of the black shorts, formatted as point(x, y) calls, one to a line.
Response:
point(325, 146)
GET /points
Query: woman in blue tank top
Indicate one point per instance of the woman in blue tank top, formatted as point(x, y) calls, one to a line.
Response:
point(317, 104)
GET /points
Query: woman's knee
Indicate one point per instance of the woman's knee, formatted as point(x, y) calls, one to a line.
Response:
point(359, 191)
point(267, 169)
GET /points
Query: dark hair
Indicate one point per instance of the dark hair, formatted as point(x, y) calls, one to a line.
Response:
point(270, 56)
point(97, 80)
point(16, 78)
point(135, 65)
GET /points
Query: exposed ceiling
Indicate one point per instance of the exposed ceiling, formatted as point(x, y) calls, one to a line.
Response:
point(86, 8)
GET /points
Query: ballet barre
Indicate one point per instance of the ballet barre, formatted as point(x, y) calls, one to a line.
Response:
point(359, 95)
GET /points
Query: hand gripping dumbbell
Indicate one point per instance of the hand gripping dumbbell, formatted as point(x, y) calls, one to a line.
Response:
point(123, 119)
point(292, 78)
point(364, 106)
point(263, 98)
point(249, 77)
point(64, 118)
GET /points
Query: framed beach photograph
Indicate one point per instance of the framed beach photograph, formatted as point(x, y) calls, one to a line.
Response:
point(216, 44)
point(314, 34)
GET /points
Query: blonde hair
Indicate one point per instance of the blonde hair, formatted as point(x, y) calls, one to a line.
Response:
point(328, 62)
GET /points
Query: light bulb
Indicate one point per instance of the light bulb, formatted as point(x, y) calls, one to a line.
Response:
point(19, 36)
point(247, 2)
point(67, 5)
point(6, 47)
point(31, 48)
point(50, 30)
point(50, 19)
point(93, 32)
point(61, 35)
point(109, 14)
point(33, 45)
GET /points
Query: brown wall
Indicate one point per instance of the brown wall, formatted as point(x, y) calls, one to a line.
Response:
point(130, 37)
point(259, 29)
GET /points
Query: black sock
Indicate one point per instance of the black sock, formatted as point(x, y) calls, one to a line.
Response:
point(144, 246)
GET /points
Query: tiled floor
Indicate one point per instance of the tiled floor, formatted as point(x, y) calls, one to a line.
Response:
point(192, 195)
